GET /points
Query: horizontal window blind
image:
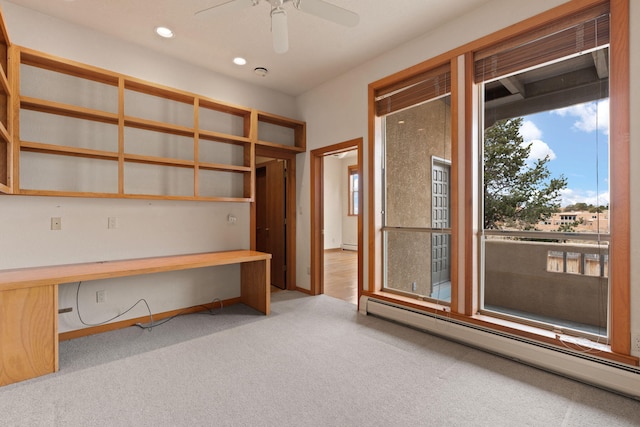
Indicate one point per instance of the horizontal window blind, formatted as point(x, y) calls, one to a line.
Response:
point(413, 90)
point(572, 35)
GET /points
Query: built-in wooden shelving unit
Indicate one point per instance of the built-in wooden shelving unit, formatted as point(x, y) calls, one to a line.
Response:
point(290, 134)
point(6, 114)
point(85, 131)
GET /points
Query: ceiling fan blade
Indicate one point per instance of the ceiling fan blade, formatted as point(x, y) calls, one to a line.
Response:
point(279, 30)
point(229, 6)
point(328, 11)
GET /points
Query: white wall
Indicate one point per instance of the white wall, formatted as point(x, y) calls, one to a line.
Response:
point(145, 228)
point(337, 111)
point(349, 223)
point(339, 228)
point(333, 183)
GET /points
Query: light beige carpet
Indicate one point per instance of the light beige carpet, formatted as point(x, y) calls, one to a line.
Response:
point(313, 362)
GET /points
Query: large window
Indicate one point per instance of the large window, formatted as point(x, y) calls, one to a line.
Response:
point(545, 150)
point(491, 189)
point(416, 192)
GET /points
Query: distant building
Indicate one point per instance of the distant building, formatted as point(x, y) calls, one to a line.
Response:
point(586, 222)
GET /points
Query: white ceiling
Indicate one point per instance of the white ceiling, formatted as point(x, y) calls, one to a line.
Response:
point(318, 50)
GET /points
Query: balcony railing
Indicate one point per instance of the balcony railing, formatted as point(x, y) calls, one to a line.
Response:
point(561, 282)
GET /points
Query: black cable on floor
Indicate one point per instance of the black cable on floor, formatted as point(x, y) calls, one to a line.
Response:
point(151, 325)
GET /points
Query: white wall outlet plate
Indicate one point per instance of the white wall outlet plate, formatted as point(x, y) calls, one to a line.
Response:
point(56, 223)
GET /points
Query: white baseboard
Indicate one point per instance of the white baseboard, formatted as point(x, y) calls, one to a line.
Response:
point(613, 376)
point(349, 247)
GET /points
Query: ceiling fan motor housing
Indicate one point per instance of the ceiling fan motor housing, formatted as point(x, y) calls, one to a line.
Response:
point(279, 28)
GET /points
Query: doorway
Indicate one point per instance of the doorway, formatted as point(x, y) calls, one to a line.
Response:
point(273, 213)
point(318, 157)
point(271, 217)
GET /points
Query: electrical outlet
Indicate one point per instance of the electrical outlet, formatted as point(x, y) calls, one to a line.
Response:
point(113, 222)
point(414, 286)
point(101, 296)
point(56, 223)
point(636, 343)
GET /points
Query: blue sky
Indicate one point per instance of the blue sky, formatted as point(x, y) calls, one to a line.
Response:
point(576, 139)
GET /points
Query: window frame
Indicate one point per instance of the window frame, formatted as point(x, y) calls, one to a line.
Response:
point(351, 171)
point(507, 303)
point(464, 197)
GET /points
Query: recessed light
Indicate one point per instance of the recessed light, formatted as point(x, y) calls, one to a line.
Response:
point(164, 32)
point(239, 61)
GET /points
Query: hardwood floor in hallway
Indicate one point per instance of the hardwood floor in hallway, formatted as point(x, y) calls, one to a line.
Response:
point(341, 274)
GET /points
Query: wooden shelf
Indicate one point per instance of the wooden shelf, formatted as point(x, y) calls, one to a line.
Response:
point(160, 161)
point(6, 113)
point(65, 66)
point(163, 140)
point(5, 136)
point(281, 146)
point(223, 168)
point(88, 194)
point(4, 82)
point(222, 137)
point(67, 151)
point(160, 91)
point(290, 134)
point(158, 126)
point(67, 110)
point(224, 107)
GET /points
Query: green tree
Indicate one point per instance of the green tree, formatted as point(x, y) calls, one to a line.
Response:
point(580, 206)
point(517, 193)
point(571, 226)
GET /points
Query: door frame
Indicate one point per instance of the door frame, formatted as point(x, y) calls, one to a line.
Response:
point(290, 209)
point(317, 212)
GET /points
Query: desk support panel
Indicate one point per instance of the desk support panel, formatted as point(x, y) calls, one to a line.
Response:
point(255, 285)
point(28, 333)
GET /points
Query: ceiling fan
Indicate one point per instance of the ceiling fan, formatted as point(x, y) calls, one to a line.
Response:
point(279, 27)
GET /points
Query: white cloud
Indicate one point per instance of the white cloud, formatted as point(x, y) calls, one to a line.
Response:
point(571, 197)
point(529, 131)
point(590, 116)
point(540, 150)
point(531, 134)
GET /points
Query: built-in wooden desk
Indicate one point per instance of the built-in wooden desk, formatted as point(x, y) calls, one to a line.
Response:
point(29, 301)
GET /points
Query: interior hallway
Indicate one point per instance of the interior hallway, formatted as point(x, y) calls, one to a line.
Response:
point(341, 274)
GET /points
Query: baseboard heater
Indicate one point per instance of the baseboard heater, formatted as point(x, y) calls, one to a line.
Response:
point(602, 373)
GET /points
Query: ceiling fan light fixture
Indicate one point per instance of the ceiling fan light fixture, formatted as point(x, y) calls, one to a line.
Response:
point(279, 30)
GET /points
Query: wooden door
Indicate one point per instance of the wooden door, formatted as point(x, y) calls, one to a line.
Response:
point(271, 233)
